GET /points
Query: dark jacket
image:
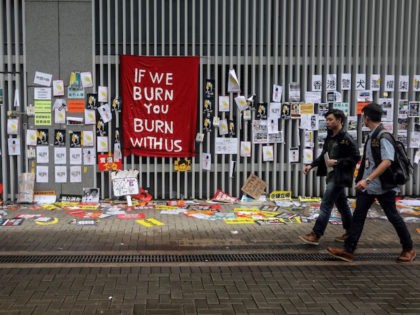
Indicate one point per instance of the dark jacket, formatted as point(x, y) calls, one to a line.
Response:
point(386, 178)
point(343, 149)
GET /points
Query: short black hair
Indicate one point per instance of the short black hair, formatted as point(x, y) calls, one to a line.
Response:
point(373, 111)
point(338, 114)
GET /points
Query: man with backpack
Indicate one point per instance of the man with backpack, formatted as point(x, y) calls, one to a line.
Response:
point(376, 180)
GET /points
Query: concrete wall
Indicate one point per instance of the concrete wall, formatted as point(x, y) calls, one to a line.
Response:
point(58, 41)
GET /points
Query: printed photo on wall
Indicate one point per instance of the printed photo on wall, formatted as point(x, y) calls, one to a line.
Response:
point(90, 195)
point(207, 123)
point(285, 111)
point(293, 155)
point(413, 109)
point(91, 101)
point(60, 137)
point(75, 139)
point(268, 153)
point(261, 111)
point(42, 137)
point(101, 128)
point(209, 89)
point(116, 104)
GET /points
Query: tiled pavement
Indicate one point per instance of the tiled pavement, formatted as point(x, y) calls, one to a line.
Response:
point(329, 287)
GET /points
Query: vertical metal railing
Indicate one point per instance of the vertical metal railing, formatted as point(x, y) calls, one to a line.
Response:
point(267, 42)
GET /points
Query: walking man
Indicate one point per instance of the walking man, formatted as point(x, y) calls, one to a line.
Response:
point(375, 181)
point(337, 161)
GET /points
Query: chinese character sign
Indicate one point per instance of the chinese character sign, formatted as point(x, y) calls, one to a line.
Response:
point(159, 96)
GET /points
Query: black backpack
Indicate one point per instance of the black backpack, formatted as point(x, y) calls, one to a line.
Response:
point(401, 168)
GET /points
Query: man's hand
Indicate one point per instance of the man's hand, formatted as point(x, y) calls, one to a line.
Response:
point(306, 169)
point(361, 184)
point(331, 163)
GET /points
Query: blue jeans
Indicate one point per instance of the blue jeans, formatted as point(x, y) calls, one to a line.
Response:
point(387, 202)
point(332, 195)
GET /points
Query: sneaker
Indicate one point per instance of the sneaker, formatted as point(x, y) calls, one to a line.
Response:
point(310, 238)
point(340, 253)
point(341, 238)
point(407, 256)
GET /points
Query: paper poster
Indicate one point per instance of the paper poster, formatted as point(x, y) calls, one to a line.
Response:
point(102, 94)
point(58, 88)
point(360, 81)
point(42, 137)
point(75, 139)
point(12, 126)
point(416, 83)
point(43, 119)
point(31, 137)
point(364, 96)
point(75, 82)
point(247, 115)
point(259, 131)
point(241, 102)
point(75, 106)
point(307, 156)
point(268, 153)
point(75, 174)
point(116, 105)
point(276, 137)
point(294, 92)
point(323, 108)
point(60, 174)
point(317, 83)
point(223, 127)
point(60, 156)
point(375, 82)
point(261, 111)
point(91, 101)
point(346, 81)
point(295, 110)
point(42, 78)
point(226, 145)
point(102, 144)
point(90, 195)
point(309, 121)
point(293, 155)
point(272, 125)
point(417, 157)
point(60, 116)
point(313, 97)
point(334, 96)
point(404, 83)
point(245, 148)
point(345, 107)
point(224, 104)
point(274, 110)
point(41, 174)
point(387, 105)
point(42, 94)
point(277, 92)
point(331, 84)
point(308, 141)
point(86, 78)
point(389, 83)
point(60, 137)
point(16, 102)
point(414, 140)
point(90, 117)
point(87, 138)
point(75, 156)
point(42, 154)
point(13, 146)
point(413, 109)
point(117, 152)
point(105, 112)
point(89, 156)
point(360, 106)
point(206, 161)
point(232, 167)
point(306, 108)
point(285, 111)
point(233, 82)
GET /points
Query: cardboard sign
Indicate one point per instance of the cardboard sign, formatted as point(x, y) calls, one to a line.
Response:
point(254, 186)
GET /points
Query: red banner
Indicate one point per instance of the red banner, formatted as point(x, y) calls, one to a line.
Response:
point(159, 105)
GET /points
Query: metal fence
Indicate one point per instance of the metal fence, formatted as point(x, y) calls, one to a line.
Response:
point(266, 41)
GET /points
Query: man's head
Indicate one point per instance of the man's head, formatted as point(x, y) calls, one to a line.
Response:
point(335, 119)
point(372, 112)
